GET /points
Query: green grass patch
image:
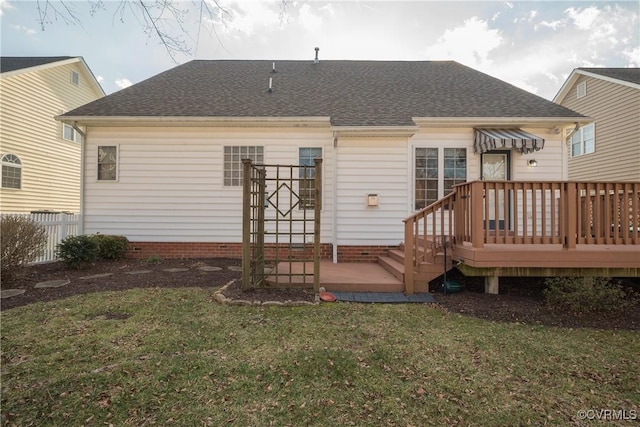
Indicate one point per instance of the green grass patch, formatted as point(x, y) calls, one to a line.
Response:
point(168, 357)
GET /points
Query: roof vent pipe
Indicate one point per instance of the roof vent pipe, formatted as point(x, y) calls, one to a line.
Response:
point(270, 84)
point(315, 61)
point(273, 67)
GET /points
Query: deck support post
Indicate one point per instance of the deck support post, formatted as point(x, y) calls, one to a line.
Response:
point(491, 285)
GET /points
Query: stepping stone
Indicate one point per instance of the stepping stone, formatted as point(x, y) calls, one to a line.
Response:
point(207, 268)
point(139, 272)
point(53, 283)
point(234, 268)
point(175, 270)
point(8, 293)
point(97, 276)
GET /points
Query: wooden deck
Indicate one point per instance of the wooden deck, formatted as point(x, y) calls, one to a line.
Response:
point(510, 228)
point(345, 277)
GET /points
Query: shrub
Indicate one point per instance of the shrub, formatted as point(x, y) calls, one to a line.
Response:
point(78, 251)
point(585, 294)
point(154, 259)
point(111, 247)
point(23, 240)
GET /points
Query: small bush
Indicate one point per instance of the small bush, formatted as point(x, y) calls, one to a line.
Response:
point(111, 247)
point(23, 240)
point(585, 294)
point(154, 259)
point(78, 251)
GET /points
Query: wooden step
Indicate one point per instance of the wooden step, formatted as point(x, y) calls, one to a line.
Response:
point(392, 266)
point(396, 255)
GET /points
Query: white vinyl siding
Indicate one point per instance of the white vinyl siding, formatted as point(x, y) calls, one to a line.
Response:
point(372, 166)
point(51, 165)
point(170, 181)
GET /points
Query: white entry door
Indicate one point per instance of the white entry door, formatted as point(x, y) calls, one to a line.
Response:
point(496, 167)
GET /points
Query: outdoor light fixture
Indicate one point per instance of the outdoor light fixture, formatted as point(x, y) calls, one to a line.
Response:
point(533, 163)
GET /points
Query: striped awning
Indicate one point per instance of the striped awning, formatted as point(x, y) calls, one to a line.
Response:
point(494, 139)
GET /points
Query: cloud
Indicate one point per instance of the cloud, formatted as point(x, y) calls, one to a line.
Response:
point(5, 5)
point(23, 29)
point(100, 79)
point(554, 25)
point(246, 17)
point(583, 18)
point(308, 19)
point(633, 55)
point(123, 83)
point(470, 43)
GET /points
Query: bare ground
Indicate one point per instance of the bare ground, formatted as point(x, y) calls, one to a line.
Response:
point(520, 299)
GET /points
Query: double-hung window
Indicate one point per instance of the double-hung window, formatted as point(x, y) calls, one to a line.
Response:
point(70, 134)
point(583, 141)
point(107, 163)
point(307, 175)
point(435, 179)
point(233, 156)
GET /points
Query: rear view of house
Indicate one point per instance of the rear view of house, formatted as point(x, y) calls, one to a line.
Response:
point(609, 148)
point(41, 156)
point(163, 161)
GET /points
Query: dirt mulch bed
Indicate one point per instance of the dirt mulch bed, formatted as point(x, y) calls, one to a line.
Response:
point(119, 279)
point(520, 299)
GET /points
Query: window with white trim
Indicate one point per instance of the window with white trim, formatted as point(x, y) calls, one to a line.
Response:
point(583, 141)
point(434, 180)
point(11, 171)
point(307, 175)
point(70, 134)
point(107, 163)
point(233, 156)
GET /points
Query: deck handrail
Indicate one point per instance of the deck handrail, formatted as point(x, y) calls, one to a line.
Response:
point(566, 213)
point(417, 246)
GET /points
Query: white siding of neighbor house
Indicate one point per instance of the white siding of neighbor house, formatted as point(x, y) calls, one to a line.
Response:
point(50, 164)
point(616, 111)
point(170, 181)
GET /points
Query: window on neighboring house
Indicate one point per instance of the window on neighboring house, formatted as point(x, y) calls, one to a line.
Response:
point(307, 175)
point(583, 141)
point(75, 78)
point(11, 171)
point(233, 156)
point(70, 134)
point(581, 90)
point(434, 181)
point(107, 163)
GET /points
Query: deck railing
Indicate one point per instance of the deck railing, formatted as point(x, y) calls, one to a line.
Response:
point(522, 213)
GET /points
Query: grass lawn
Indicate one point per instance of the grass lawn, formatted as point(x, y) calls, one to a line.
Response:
point(174, 357)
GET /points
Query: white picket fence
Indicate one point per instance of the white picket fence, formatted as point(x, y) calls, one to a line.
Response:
point(58, 226)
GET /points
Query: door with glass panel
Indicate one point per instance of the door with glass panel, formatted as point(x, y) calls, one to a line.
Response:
point(496, 166)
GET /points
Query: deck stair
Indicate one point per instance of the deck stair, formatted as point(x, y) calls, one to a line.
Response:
point(429, 269)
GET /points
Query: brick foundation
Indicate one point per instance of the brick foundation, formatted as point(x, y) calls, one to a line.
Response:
point(234, 250)
point(362, 253)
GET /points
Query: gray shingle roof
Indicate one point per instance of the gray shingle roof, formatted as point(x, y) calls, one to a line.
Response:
point(631, 75)
point(12, 63)
point(352, 93)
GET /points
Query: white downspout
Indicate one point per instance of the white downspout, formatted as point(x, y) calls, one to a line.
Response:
point(82, 152)
point(334, 207)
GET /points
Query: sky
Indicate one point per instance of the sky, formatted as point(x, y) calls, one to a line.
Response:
point(531, 44)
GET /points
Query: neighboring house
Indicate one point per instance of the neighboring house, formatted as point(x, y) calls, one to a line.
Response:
point(162, 162)
point(609, 148)
point(41, 156)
